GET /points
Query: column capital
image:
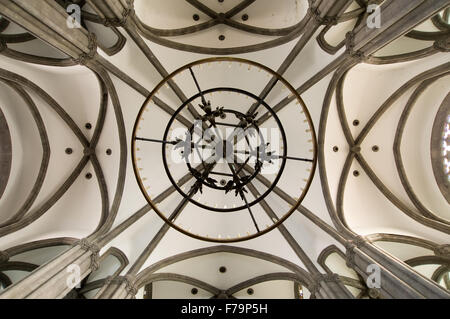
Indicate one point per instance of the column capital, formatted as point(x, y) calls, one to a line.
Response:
point(350, 45)
point(350, 259)
point(94, 249)
point(88, 245)
point(84, 58)
point(130, 286)
point(442, 251)
point(357, 242)
point(326, 278)
point(331, 20)
point(331, 278)
point(314, 289)
point(351, 245)
point(442, 45)
point(315, 14)
point(128, 280)
point(374, 293)
point(121, 21)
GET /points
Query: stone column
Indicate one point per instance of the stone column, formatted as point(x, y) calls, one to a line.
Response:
point(53, 279)
point(48, 21)
point(397, 280)
point(398, 17)
point(121, 13)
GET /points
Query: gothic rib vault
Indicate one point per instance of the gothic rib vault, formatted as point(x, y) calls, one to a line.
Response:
point(361, 115)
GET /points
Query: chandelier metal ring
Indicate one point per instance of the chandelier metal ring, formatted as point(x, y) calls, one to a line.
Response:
point(253, 176)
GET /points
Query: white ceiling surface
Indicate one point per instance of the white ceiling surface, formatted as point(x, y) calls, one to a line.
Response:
point(77, 92)
point(366, 209)
point(308, 235)
point(78, 212)
point(36, 46)
point(238, 270)
point(263, 13)
point(277, 289)
point(423, 115)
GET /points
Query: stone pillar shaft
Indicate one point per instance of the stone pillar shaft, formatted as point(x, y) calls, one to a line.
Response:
point(330, 287)
point(46, 20)
point(53, 279)
point(397, 279)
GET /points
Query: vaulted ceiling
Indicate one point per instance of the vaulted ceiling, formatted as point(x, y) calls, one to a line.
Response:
point(380, 116)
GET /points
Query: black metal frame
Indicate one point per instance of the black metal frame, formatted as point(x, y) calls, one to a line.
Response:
point(280, 171)
point(175, 114)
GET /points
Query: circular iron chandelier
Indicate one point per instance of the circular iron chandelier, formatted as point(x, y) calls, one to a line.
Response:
point(214, 167)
